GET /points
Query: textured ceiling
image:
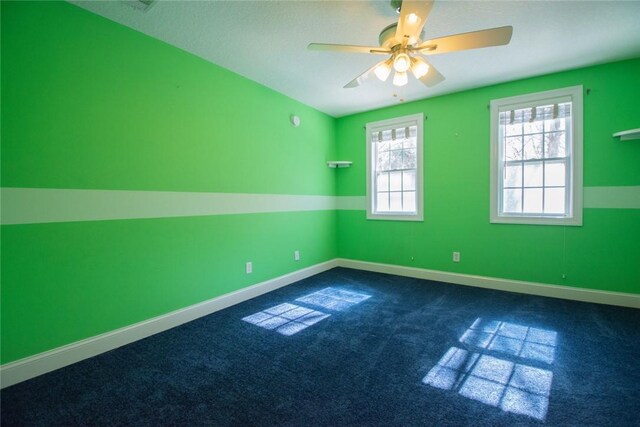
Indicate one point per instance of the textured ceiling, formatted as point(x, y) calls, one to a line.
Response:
point(266, 41)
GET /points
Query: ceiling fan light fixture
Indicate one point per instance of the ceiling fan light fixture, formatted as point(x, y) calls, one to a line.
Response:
point(400, 78)
point(402, 62)
point(419, 67)
point(402, 40)
point(383, 70)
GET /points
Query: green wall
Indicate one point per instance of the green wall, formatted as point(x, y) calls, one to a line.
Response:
point(93, 104)
point(89, 104)
point(602, 254)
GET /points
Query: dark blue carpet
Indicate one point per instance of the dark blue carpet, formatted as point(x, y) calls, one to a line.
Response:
point(355, 348)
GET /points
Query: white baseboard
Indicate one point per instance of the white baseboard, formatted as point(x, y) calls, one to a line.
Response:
point(32, 366)
point(541, 289)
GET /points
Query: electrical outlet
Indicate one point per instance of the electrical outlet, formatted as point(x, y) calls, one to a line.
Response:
point(456, 257)
point(296, 255)
point(249, 267)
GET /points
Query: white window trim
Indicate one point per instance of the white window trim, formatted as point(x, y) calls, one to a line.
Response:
point(523, 101)
point(411, 120)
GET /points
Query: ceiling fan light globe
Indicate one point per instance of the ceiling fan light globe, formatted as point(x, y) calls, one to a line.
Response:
point(402, 62)
point(383, 70)
point(400, 78)
point(419, 67)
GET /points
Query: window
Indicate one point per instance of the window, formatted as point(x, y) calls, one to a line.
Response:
point(394, 169)
point(536, 158)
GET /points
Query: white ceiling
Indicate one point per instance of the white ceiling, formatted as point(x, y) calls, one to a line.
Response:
point(266, 41)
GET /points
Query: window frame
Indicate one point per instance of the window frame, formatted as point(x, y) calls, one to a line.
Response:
point(398, 122)
point(574, 183)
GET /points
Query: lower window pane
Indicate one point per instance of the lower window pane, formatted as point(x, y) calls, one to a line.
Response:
point(409, 180)
point(395, 181)
point(383, 181)
point(512, 201)
point(554, 174)
point(532, 202)
point(513, 176)
point(395, 201)
point(382, 199)
point(533, 174)
point(409, 201)
point(554, 202)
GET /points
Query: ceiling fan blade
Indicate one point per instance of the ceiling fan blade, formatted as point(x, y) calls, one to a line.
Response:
point(473, 40)
point(362, 77)
point(433, 77)
point(348, 48)
point(413, 16)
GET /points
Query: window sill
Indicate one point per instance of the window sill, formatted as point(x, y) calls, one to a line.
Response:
point(394, 217)
point(533, 220)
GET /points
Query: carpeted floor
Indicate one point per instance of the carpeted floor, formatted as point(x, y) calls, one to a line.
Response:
point(355, 348)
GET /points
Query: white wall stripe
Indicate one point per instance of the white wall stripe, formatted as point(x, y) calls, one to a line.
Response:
point(43, 205)
point(612, 197)
point(351, 203)
point(40, 205)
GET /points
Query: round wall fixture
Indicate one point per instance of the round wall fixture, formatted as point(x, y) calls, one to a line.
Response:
point(295, 120)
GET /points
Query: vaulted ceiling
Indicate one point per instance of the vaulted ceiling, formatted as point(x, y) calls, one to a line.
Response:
point(266, 41)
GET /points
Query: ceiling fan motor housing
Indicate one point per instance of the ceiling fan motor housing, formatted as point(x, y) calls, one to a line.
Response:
point(387, 37)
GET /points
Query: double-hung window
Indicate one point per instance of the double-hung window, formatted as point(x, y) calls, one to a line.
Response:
point(394, 169)
point(536, 158)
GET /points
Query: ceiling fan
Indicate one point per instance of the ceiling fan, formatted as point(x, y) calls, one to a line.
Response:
point(402, 42)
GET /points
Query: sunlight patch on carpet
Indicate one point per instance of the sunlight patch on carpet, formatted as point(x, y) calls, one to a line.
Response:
point(495, 368)
point(510, 386)
point(286, 319)
point(334, 299)
point(516, 340)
